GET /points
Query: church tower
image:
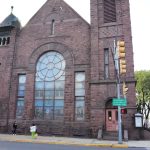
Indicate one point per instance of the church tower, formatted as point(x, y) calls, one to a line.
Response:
point(8, 31)
point(110, 22)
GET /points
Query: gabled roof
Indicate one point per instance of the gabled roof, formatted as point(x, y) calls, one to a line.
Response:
point(53, 7)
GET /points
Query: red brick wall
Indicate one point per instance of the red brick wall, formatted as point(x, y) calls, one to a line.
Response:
point(71, 39)
point(6, 64)
point(103, 36)
point(82, 46)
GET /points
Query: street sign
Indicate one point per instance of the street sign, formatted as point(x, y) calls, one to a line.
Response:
point(119, 102)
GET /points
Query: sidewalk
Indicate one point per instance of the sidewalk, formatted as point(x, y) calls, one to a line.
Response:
point(73, 141)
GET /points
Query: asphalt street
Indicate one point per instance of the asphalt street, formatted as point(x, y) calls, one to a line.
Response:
point(5, 145)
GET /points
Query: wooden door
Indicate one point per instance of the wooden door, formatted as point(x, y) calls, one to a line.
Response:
point(111, 119)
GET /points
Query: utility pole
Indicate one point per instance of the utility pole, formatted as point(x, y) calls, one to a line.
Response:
point(120, 66)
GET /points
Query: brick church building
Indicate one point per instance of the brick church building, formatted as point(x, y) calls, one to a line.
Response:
point(58, 70)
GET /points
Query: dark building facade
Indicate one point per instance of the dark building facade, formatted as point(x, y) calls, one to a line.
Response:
point(58, 70)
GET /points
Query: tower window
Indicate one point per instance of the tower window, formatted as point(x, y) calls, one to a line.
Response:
point(8, 40)
point(106, 63)
point(109, 11)
point(4, 41)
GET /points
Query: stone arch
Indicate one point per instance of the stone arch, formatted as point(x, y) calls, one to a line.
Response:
point(108, 103)
point(111, 115)
point(53, 46)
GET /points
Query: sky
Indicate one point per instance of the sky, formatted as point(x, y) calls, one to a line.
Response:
point(140, 22)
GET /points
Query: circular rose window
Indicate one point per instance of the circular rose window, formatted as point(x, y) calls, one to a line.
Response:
point(50, 66)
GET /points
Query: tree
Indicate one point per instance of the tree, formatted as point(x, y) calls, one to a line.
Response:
point(143, 93)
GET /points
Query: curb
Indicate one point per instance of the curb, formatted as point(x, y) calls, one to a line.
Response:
point(69, 143)
point(119, 146)
point(97, 145)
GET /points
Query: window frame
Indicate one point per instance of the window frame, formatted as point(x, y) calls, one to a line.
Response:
point(106, 63)
point(54, 85)
point(20, 98)
point(77, 96)
point(4, 40)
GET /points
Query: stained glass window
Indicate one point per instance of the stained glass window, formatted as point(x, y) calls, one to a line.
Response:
point(49, 86)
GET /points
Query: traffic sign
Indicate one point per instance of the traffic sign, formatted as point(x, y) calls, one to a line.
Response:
point(119, 102)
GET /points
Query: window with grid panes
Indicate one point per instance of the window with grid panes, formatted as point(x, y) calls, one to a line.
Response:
point(49, 86)
point(79, 96)
point(20, 96)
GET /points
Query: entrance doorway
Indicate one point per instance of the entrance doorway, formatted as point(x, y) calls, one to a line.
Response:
point(111, 119)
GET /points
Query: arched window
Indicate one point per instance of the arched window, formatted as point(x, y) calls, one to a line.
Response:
point(53, 27)
point(8, 40)
point(4, 41)
point(49, 86)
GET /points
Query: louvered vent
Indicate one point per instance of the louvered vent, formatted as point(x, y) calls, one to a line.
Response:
point(109, 11)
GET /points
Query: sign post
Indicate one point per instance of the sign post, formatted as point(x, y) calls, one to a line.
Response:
point(119, 115)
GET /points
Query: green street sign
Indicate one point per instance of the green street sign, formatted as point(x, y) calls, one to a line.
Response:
point(119, 102)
